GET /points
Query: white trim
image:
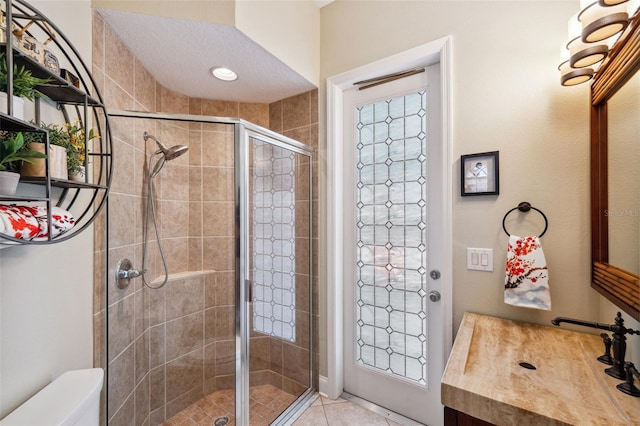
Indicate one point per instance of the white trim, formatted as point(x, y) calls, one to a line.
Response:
point(388, 414)
point(323, 384)
point(426, 54)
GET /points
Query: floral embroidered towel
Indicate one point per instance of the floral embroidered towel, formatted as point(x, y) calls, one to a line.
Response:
point(526, 281)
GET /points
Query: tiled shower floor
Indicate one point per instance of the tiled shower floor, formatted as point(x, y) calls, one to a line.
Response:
point(265, 404)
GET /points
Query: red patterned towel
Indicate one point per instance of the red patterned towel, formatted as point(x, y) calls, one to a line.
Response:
point(29, 222)
point(526, 282)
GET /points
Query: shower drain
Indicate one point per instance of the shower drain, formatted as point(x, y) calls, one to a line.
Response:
point(221, 421)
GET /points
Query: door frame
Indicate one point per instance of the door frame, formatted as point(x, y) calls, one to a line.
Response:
point(437, 51)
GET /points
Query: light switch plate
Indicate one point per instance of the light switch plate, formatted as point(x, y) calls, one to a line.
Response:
point(480, 259)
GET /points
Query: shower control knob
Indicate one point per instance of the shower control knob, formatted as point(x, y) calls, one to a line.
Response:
point(434, 296)
point(124, 273)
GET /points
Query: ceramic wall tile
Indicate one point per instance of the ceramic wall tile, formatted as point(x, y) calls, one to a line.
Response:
point(184, 374)
point(275, 116)
point(184, 296)
point(225, 288)
point(195, 147)
point(256, 113)
point(195, 254)
point(195, 106)
point(125, 413)
point(142, 402)
point(141, 357)
point(121, 375)
point(116, 97)
point(118, 61)
point(195, 220)
point(144, 87)
point(217, 183)
point(219, 253)
point(173, 102)
point(217, 108)
point(218, 219)
point(217, 148)
point(97, 41)
point(295, 111)
point(157, 382)
point(177, 254)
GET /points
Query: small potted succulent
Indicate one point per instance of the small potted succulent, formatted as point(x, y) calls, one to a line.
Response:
point(13, 153)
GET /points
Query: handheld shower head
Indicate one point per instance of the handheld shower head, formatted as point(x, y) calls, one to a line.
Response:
point(167, 154)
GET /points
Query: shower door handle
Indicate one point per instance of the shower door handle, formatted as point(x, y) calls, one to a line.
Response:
point(248, 289)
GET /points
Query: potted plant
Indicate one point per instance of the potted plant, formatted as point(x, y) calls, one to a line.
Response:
point(59, 146)
point(76, 151)
point(12, 154)
point(24, 86)
point(66, 151)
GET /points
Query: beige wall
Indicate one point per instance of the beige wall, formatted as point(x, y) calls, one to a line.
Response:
point(297, 39)
point(46, 291)
point(295, 42)
point(506, 97)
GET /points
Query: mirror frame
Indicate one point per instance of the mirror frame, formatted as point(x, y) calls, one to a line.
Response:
point(619, 286)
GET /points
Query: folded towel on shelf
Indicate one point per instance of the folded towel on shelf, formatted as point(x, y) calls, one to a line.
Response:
point(29, 222)
point(526, 282)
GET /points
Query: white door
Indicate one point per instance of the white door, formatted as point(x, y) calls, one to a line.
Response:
point(393, 336)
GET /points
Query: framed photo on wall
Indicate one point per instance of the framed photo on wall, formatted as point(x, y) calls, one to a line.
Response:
point(480, 174)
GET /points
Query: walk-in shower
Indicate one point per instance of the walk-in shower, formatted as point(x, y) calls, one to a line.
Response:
point(228, 333)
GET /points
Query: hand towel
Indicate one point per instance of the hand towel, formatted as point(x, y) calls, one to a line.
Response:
point(526, 282)
point(29, 222)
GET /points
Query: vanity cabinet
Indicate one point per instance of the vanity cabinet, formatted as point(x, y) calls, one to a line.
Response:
point(458, 418)
point(31, 41)
point(514, 373)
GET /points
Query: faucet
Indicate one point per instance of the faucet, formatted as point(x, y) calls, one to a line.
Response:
point(619, 341)
point(628, 387)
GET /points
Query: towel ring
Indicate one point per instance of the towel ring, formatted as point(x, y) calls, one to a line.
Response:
point(524, 207)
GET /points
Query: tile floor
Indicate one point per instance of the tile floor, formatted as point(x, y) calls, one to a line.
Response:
point(267, 402)
point(328, 412)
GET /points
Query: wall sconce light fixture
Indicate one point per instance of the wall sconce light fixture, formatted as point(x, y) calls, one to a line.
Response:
point(592, 34)
point(601, 22)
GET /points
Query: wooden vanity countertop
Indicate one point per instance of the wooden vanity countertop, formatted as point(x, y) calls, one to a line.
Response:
point(483, 377)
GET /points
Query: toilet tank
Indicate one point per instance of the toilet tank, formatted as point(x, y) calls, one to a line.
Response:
point(71, 399)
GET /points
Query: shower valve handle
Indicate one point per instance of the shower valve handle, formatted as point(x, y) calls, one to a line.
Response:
point(124, 273)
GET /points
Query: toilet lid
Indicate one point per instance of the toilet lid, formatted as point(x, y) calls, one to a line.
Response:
point(61, 401)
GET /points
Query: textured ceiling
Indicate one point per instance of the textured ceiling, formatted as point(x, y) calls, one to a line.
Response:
point(179, 54)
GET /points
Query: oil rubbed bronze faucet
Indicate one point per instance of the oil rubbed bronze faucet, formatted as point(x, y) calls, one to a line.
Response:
point(619, 342)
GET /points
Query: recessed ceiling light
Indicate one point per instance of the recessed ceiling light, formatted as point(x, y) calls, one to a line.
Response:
point(224, 74)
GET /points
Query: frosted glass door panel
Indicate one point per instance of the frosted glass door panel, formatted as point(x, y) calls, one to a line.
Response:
point(274, 240)
point(391, 236)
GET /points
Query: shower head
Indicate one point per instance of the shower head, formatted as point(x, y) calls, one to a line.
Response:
point(167, 154)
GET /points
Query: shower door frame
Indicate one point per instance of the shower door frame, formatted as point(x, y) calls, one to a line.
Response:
point(244, 131)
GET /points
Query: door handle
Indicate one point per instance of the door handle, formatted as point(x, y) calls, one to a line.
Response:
point(434, 296)
point(249, 290)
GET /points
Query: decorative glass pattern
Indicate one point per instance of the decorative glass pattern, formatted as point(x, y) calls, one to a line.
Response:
point(391, 188)
point(273, 241)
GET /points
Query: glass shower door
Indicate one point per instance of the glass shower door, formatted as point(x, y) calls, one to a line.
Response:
point(278, 271)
